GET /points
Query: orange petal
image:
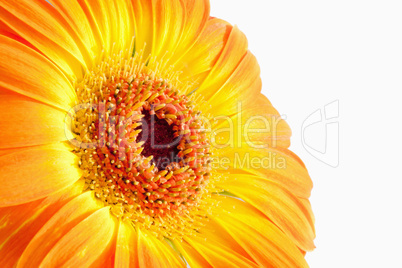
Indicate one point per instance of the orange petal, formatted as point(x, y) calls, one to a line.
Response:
point(27, 72)
point(204, 54)
point(153, 252)
point(219, 256)
point(275, 164)
point(19, 224)
point(40, 24)
point(8, 151)
point(284, 209)
point(108, 256)
point(265, 242)
point(60, 223)
point(8, 32)
point(32, 173)
point(84, 243)
point(126, 246)
point(25, 122)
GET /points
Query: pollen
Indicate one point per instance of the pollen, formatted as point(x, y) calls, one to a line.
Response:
point(143, 146)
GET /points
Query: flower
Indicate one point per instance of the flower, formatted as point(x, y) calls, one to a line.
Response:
point(134, 134)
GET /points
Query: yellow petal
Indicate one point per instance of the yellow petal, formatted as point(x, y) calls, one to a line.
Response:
point(203, 55)
point(29, 174)
point(84, 243)
point(126, 247)
point(265, 242)
point(125, 24)
point(218, 256)
point(176, 26)
point(258, 117)
point(41, 25)
point(167, 29)
point(29, 73)
point(242, 86)
point(113, 21)
point(98, 13)
point(212, 234)
point(195, 18)
point(275, 164)
point(76, 18)
point(264, 250)
point(216, 235)
point(192, 257)
point(153, 252)
point(168, 18)
point(19, 224)
point(25, 122)
point(283, 208)
point(143, 13)
point(255, 125)
point(59, 224)
point(233, 53)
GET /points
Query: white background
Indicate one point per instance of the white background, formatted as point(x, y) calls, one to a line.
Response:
point(311, 54)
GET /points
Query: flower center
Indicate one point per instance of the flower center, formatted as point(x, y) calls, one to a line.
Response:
point(143, 146)
point(160, 139)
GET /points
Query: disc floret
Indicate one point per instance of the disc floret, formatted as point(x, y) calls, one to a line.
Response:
point(143, 147)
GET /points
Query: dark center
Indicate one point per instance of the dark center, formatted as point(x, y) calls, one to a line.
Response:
point(160, 141)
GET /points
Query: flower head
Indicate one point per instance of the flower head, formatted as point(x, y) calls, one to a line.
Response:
point(134, 134)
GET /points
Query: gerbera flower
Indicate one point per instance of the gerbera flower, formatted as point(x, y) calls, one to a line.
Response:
point(134, 134)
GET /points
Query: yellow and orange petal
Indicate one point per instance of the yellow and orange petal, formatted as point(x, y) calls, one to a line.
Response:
point(36, 172)
point(43, 27)
point(19, 224)
point(29, 73)
point(49, 215)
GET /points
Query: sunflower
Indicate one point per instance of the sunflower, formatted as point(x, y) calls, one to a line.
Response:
point(134, 134)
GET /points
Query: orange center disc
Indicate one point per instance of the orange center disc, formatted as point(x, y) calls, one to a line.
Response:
point(151, 153)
